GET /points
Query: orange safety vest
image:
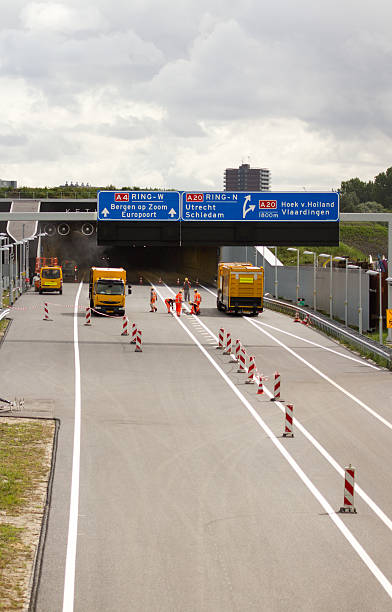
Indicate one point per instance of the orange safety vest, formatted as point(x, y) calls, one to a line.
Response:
point(178, 298)
point(153, 297)
point(197, 298)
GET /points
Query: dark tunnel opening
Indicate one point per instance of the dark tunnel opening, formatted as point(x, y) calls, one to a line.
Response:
point(168, 262)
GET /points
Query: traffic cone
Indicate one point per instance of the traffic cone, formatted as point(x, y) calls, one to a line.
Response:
point(297, 319)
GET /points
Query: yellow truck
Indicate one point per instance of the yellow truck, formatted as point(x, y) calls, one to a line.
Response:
point(107, 290)
point(50, 279)
point(240, 288)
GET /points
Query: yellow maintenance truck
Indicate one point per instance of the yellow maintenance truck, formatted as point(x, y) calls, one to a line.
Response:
point(107, 290)
point(50, 279)
point(240, 288)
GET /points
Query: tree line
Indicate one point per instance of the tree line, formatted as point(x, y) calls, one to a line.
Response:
point(371, 196)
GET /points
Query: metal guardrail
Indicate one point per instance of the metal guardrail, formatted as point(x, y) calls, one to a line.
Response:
point(333, 328)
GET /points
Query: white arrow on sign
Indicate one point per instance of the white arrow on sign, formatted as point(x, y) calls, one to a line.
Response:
point(251, 207)
point(172, 213)
point(105, 212)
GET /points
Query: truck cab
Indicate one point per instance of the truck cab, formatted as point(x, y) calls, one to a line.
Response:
point(107, 290)
point(51, 279)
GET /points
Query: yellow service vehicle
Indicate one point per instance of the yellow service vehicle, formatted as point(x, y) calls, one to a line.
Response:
point(107, 290)
point(240, 288)
point(50, 279)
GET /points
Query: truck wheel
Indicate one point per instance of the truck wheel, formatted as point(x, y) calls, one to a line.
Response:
point(61, 292)
point(40, 292)
point(219, 305)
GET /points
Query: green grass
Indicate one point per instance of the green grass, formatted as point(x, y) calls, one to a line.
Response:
point(357, 241)
point(23, 467)
point(21, 462)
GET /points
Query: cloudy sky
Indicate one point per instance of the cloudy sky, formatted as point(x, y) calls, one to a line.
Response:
point(169, 93)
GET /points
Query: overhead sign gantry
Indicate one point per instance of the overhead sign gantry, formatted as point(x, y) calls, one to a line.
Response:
point(217, 218)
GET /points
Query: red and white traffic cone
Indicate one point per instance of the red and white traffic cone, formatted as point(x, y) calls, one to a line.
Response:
point(197, 282)
point(227, 350)
point(46, 312)
point(288, 423)
point(138, 347)
point(297, 317)
point(241, 361)
point(134, 334)
point(349, 481)
point(160, 281)
point(306, 320)
point(276, 388)
point(221, 336)
point(88, 316)
point(140, 280)
point(178, 281)
point(260, 389)
point(251, 371)
point(125, 326)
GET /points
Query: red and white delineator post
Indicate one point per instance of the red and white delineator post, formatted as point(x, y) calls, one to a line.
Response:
point(242, 361)
point(125, 326)
point(221, 336)
point(276, 388)
point(349, 480)
point(46, 312)
point(138, 347)
point(288, 422)
point(134, 333)
point(237, 349)
point(227, 350)
point(251, 371)
point(88, 316)
point(260, 389)
point(297, 318)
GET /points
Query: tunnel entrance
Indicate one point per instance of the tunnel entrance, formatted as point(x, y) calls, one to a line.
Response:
point(77, 249)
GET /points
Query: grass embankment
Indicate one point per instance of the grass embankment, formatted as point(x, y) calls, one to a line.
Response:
point(357, 241)
point(25, 455)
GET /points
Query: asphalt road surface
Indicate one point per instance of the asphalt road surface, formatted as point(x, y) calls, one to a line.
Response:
point(184, 495)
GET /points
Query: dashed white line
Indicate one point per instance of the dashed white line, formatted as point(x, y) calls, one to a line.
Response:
point(374, 569)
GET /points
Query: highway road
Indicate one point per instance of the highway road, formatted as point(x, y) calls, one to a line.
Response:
point(184, 495)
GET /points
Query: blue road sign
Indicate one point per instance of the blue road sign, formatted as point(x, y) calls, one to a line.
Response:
point(259, 206)
point(138, 206)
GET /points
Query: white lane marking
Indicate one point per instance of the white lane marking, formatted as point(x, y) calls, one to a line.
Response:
point(351, 539)
point(325, 348)
point(320, 373)
point(368, 500)
point(69, 580)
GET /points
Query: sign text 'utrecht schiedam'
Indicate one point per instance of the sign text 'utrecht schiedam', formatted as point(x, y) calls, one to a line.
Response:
point(217, 206)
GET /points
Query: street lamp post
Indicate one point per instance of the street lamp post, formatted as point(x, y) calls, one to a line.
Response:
point(337, 258)
point(352, 267)
point(297, 285)
point(375, 273)
point(314, 277)
point(330, 284)
point(276, 273)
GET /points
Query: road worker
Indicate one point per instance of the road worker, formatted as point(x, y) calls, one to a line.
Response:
point(153, 299)
point(169, 305)
point(196, 303)
point(179, 303)
point(187, 287)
